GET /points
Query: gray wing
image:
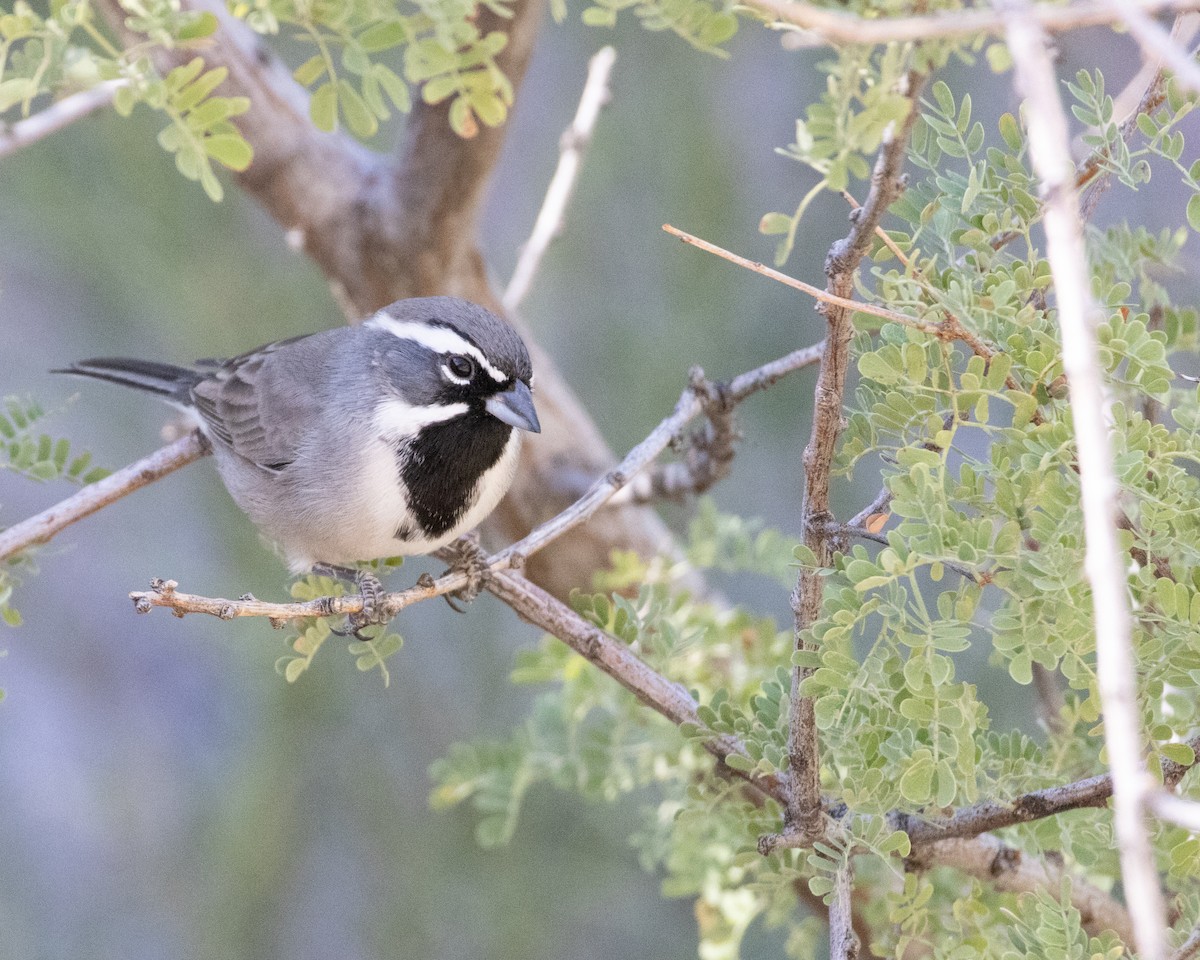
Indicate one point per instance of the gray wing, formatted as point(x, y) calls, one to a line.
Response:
point(262, 404)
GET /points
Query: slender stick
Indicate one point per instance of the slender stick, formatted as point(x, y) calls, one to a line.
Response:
point(816, 292)
point(45, 525)
point(1104, 560)
point(573, 150)
point(61, 114)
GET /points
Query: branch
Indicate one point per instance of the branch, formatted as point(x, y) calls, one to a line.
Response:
point(1012, 871)
point(1050, 152)
point(50, 522)
point(804, 821)
point(1158, 46)
point(691, 403)
point(824, 296)
point(1177, 810)
point(1035, 805)
point(61, 114)
point(573, 148)
point(835, 27)
point(843, 942)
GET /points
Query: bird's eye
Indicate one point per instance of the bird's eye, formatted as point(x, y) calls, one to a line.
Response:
point(460, 368)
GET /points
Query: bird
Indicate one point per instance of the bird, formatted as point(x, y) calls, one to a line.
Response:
point(391, 437)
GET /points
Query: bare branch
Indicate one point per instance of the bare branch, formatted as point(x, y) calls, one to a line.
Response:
point(843, 942)
point(824, 296)
point(1012, 871)
point(1036, 805)
point(1158, 46)
point(1105, 567)
point(573, 150)
point(45, 525)
point(61, 114)
point(834, 27)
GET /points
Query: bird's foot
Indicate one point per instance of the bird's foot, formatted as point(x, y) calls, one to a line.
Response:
point(369, 589)
point(469, 559)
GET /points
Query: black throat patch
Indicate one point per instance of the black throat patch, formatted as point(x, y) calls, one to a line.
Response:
point(441, 466)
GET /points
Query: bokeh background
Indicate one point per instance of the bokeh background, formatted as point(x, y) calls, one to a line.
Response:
point(163, 793)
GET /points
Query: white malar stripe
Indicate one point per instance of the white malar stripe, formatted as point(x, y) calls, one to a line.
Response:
point(395, 418)
point(437, 339)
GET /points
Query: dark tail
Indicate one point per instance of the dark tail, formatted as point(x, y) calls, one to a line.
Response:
point(172, 383)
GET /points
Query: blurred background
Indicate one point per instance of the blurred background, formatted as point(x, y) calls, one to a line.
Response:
point(164, 792)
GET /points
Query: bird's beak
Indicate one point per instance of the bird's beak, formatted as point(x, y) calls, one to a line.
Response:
point(515, 407)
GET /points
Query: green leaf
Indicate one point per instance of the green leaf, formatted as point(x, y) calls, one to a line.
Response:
point(322, 108)
point(383, 36)
point(310, 71)
point(1193, 211)
point(229, 150)
point(361, 121)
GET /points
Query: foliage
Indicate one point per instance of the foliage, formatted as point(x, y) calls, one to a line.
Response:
point(370, 652)
point(984, 553)
point(37, 456)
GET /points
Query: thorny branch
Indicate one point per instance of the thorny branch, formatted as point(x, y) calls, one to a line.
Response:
point(804, 822)
point(1050, 153)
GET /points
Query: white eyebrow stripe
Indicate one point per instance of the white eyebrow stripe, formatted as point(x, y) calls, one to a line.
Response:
point(437, 339)
point(396, 419)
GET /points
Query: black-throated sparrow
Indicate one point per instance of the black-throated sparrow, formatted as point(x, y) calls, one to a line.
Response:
point(388, 438)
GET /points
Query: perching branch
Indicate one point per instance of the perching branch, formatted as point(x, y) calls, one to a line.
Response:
point(1104, 560)
point(834, 27)
point(47, 524)
point(573, 148)
point(57, 116)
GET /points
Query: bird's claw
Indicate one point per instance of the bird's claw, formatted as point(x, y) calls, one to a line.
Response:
point(369, 589)
point(471, 561)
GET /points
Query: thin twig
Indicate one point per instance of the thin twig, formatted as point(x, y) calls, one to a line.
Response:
point(573, 149)
point(1050, 153)
point(835, 27)
point(824, 296)
point(45, 525)
point(1157, 44)
point(57, 116)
